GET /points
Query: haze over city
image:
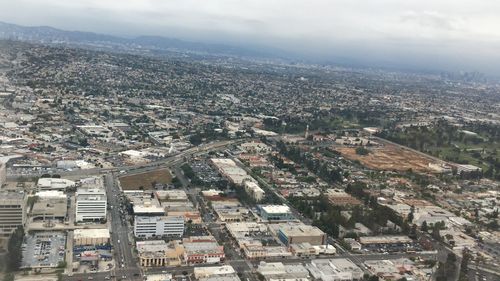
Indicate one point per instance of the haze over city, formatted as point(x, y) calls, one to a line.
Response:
point(274, 140)
point(423, 35)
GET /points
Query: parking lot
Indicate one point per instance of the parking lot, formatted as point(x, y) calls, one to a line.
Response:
point(43, 249)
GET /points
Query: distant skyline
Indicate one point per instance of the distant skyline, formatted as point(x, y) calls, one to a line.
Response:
point(454, 35)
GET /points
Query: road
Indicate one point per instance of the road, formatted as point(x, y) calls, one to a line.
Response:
point(163, 163)
point(125, 263)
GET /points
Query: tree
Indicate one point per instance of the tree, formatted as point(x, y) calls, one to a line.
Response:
point(8, 277)
point(362, 151)
point(424, 226)
point(464, 266)
point(15, 255)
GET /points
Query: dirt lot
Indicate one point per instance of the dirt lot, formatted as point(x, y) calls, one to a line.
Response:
point(389, 157)
point(146, 180)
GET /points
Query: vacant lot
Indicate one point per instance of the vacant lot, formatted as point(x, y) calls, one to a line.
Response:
point(389, 157)
point(145, 180)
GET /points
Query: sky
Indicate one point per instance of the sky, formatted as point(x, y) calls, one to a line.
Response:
point(456, 35)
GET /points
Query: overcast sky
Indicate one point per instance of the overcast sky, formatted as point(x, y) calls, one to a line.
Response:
point(433, 34)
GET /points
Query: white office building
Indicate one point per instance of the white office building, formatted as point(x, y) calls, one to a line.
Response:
point(158, 226)
point(91, 204)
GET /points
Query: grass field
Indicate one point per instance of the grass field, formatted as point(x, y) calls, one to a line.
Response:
point(145, 180)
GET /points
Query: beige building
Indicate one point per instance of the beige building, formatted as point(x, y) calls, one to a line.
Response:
point(254, 190)
point(49, 205)
point(12, 212)
point(154, 253)
point(97, 236)
point(295, 233)
point(3, 173)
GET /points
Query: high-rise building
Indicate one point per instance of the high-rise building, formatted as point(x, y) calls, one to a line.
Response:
point(3, 173)
point(158, 226)
point(91, 204)
point(12, 212)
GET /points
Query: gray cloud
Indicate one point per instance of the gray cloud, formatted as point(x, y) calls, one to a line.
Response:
point(458, 33)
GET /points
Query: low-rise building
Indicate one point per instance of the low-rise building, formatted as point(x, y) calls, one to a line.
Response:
point(341, 198)
point(308, 250)
point(54, 184)
point(296, 233)
point(275, 213)
point(157, 253)
point(91, 236)
point(334, 269)
point(228, 169)
point(158, 277)
point(258, 251)
point(213, 271)
point(203, 250)
point(279, 271)
point(388, 243)
point(49, 205)
point(391, 269)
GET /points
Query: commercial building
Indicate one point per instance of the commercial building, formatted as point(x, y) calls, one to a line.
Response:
point(174, 195)
point(158, 226)
point(254, 190)
point(296, 233)
point(228, 169)
point(148, 209)
point(49, 205)
point(392, 269)
point(308, 250)
point(12, 212)
point(202, 249)
point(265, 252)
point(279, 271)
point(158, 277)
point(275, 212)
point(96, 236)
point(213, 271)
point(388, 243)
point(230, 211)
point(334, 269)
point(54, 184)
point(160, 253)
point(91, 204)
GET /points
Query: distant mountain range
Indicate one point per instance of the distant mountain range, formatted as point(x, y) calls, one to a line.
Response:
point(50, 35)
